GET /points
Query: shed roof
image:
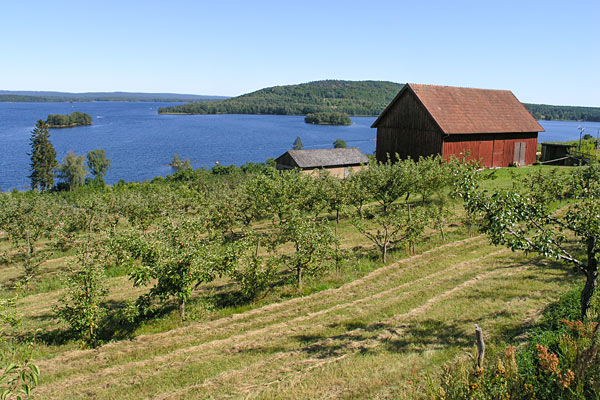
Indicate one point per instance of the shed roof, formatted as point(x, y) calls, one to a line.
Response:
point(458, 110)
point(316, 158)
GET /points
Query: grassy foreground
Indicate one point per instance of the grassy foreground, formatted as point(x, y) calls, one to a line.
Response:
point(380, 336)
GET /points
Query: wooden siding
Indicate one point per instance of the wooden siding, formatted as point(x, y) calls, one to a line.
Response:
point(493, 150)
point(407, 129)
point(338, 172)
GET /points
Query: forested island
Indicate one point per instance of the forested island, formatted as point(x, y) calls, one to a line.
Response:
point(355, 98)
point(68, 121)
point(328, 118)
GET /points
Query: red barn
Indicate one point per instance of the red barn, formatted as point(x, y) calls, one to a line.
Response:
point(492, 125)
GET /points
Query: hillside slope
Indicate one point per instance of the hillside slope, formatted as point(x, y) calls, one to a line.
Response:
point(375, 337)
point(368, 98)
point(350, 97)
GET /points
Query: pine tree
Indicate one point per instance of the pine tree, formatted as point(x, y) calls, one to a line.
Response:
point(43, 158)
point(298, 144)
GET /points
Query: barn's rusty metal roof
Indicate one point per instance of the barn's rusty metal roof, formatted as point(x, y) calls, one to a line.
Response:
point(458, 110)
point(316, 158)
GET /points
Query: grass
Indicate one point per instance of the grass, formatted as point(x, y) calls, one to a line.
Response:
point(355, 340)
point(371, 331)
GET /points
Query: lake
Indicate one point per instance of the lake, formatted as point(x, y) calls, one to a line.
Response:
point(140, 143)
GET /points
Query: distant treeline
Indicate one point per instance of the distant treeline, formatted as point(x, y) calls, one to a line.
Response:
point(571, 113)
point(349, 97)
point(60, 97)
point(17, 98)
point(74, 119)
point(328, 118)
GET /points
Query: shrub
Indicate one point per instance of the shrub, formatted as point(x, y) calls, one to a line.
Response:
point(561, 361)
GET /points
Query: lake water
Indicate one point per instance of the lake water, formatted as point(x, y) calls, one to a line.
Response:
point(140, 142)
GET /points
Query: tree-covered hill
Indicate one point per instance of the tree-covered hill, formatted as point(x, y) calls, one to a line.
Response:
point(350, 97)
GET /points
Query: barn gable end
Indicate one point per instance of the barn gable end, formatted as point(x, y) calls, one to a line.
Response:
point(406, 128)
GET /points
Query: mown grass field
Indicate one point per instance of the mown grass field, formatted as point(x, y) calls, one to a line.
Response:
point(380, 336)
point(368, 331)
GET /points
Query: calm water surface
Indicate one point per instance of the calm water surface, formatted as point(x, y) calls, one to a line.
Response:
point(140, 142)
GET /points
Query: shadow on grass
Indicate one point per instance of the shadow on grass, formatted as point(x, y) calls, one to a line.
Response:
point(426, 335)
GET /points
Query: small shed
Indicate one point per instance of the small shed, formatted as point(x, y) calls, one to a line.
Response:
point(490, 125)
point(557, 153)
point(337, 161)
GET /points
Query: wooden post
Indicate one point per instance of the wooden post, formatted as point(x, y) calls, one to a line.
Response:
point(480, 346)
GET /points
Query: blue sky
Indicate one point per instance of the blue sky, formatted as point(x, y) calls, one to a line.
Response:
point(544, 51)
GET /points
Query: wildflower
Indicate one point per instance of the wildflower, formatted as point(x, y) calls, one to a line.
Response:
point(566, 379)
point(548, 361)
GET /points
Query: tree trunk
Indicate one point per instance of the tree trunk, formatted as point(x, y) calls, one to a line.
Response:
point(337, 243)
point(592, 278)
point(182, 309)
point(29, 245)
point(299, 277)
point(384, 252)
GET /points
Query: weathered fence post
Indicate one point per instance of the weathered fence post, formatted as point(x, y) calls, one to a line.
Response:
point(480, 346)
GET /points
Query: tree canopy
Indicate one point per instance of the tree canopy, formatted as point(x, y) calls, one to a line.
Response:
point(328, 118)
point(43, 158)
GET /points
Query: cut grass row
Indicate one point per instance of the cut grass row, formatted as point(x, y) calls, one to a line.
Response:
point(345, 342)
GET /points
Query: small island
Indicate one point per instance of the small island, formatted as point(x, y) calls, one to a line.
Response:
point(328, 118)
point(68, 121)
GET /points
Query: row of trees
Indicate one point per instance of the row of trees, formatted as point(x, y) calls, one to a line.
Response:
point(73, 169)
point(184, 231)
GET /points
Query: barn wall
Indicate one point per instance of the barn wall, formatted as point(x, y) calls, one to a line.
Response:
point(407, 129)
point(493, 150)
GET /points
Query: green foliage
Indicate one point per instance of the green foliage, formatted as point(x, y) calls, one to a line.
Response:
point(175, 258)
point(522, 220)
point(27, 218)
point(81, 306)
point(8, 315)
point(254, 273)
point(97, 163)
point(298, 144)
point(72, 170)
point(43, 158)
point(313, 243)
point(340, 144)
point(178, 164)
point(74, 119)
point(352, 98)
point(17, 382)
point(328, 118)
